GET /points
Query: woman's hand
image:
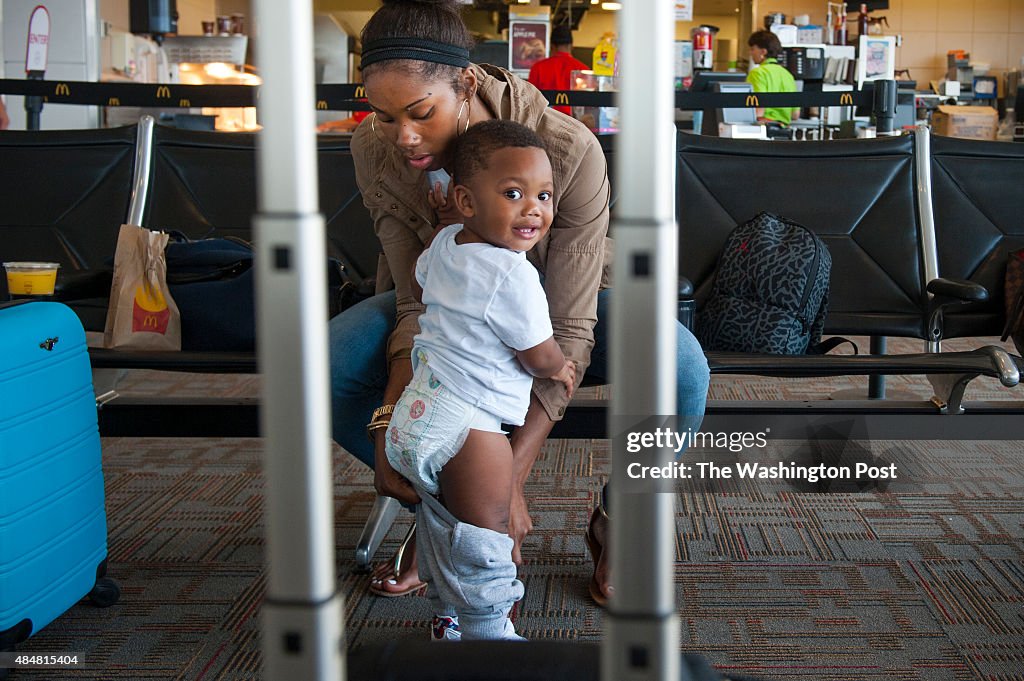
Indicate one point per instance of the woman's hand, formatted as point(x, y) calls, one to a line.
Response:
point(444, 205)
point(566, 376)
point(520, 523)
point(386, 480)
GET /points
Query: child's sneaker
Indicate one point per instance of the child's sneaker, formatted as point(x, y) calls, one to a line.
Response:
point(444, 628)
point(510, 633)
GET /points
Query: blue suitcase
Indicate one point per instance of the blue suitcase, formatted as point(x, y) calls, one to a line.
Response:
point(53, 524)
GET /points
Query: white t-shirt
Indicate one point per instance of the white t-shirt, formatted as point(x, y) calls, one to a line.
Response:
point(483, 302)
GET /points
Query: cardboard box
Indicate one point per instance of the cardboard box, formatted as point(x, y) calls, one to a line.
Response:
point(969, 122)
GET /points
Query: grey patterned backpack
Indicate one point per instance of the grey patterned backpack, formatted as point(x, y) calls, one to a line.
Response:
point(770, 292)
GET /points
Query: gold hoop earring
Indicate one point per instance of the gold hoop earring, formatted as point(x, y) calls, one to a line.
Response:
point(459, 115)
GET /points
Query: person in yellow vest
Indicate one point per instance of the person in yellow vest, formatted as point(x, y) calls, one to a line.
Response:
point(770, 76)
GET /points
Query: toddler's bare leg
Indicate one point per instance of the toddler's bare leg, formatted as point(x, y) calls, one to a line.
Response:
point(476, 572)
point(476, 485)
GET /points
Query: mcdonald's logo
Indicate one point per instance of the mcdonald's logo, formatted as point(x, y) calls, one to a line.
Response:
point(184, 103)
point(113, 101)
point(752, 100)
point(163, 92)
point(321, 104)
point(150, 322)
point(846, 99)
point(562, 98)
point(62, 89)
point(360, 91)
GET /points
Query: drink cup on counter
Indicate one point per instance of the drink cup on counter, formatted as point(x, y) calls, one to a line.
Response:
point(208, 27)
point(29, 279)
point(224, 25)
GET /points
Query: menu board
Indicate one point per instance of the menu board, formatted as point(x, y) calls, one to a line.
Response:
point(528, 44)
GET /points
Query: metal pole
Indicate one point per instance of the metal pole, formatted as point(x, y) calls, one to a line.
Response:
point(923, 174)
point(37, 51)
point(642, 630)
point(876, 382)
point(33, 104)
point(883, 107)
point(302, 612)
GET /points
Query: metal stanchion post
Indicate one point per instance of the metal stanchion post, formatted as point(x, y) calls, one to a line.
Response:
point(302, 612)
point(642, 628)
point(33, 105)
point(35, 62)
point(883, 107)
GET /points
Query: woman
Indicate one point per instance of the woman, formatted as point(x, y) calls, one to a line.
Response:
point(424, 92)
point(770, 76)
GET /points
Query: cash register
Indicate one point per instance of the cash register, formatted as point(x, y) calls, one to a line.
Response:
point(738, 122)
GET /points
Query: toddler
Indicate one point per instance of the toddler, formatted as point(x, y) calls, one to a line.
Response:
point(484, 336)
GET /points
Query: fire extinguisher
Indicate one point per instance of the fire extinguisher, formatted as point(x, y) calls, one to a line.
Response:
point(703, 37)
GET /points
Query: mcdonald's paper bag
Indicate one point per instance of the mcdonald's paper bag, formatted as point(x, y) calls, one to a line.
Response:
point(141, 315)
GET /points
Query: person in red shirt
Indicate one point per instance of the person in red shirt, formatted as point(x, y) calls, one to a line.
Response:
point(555, 72)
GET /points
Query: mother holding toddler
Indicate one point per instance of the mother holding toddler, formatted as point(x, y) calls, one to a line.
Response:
point(424, 93)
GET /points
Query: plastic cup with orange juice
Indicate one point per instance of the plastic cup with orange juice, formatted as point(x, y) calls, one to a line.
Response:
point(31, 278)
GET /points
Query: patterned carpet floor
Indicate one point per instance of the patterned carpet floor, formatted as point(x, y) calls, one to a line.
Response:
point(924, 583)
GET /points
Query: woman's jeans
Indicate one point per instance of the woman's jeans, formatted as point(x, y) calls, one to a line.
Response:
point(359, 369)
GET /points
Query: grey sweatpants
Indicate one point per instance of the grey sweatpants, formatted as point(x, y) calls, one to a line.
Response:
point(468, 570)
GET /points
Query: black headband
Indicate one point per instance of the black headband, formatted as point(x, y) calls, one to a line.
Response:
point(414, 48)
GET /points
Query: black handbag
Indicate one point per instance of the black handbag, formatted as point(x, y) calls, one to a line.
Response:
point(213, 283)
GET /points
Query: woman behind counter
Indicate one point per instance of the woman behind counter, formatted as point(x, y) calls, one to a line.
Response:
point(770, 76)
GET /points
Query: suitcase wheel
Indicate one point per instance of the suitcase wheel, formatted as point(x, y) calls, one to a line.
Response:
point(105, 593)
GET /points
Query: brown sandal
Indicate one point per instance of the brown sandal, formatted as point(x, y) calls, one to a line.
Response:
point(396, 570)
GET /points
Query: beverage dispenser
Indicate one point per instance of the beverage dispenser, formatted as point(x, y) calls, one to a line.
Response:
point(703, 38)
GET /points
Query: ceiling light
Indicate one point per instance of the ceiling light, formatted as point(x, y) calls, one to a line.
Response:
point(611, 6)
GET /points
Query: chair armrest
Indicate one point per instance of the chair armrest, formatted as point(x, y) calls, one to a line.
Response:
point(686, 306)
point(958, 290)
point(947, 292)
point(1005, 364)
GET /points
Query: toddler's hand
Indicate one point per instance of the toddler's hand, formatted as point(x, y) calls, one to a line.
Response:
point(447, 213)
point(567, 377)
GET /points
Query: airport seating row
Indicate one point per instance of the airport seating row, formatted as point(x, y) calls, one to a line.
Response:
point(919, 228)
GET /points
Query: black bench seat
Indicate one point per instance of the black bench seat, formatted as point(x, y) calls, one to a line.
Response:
point(189, 361)
point(990, 360)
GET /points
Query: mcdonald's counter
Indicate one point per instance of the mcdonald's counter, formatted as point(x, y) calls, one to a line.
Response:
point(600, 119)
point(180, 111)
point(229, 119)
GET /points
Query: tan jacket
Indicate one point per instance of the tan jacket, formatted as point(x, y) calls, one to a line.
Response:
point(574, 258)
